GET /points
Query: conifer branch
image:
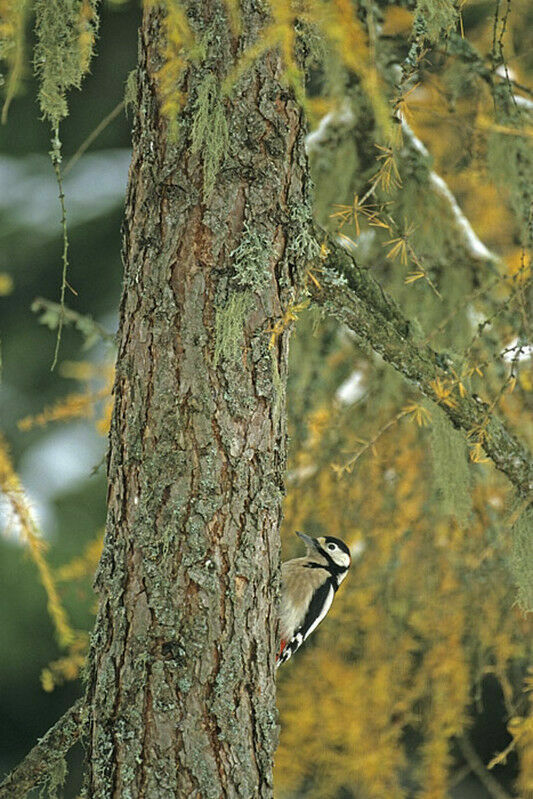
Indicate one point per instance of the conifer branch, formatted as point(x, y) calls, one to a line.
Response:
point(470, 241)
point(46, 754)
point(55, 154)
point(339, 122)
point(355, 298)
point(465, 51)
point(477, 766)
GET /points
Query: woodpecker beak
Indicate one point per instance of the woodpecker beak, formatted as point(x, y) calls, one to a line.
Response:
point(311, 542)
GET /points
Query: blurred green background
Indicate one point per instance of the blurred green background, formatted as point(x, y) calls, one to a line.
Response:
point(61, 466)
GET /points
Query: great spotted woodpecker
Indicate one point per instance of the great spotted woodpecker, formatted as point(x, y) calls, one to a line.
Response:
point(308, 587)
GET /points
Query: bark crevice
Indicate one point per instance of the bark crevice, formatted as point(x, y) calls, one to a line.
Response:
point(181, 680)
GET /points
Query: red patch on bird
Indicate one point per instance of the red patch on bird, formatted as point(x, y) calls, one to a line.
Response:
point(282, 646)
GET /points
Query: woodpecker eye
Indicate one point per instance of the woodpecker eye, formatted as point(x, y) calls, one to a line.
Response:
point(331, 547)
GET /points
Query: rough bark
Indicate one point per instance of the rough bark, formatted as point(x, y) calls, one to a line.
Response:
point(181, 686)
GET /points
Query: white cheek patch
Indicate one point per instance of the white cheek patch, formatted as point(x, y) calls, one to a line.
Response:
point(341, 558)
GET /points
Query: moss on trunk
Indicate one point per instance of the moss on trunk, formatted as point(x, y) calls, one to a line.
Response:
point(181, 675)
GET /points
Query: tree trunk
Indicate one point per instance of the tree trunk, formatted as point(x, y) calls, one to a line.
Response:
point(181, 674)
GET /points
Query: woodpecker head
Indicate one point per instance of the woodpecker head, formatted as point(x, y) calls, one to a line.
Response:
point(328, 550)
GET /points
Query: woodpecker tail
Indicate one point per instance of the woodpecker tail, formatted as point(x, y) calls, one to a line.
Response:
point(279, 659)
point(289, 648)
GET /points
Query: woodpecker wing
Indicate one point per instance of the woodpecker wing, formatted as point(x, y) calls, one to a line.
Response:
point(318, 608)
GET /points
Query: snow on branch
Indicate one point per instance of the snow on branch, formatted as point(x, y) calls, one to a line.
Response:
point(472, 243)
point(336, 123)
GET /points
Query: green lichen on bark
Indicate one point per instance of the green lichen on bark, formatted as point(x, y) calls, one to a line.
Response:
point(229, 326)
point(304, 246)
point(209, 130)
point(130, 90)
point(252, 258)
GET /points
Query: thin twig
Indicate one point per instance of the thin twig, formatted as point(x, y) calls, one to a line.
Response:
point(93, 135)
point(55, 155)
point(476, 764)
point(348, 466)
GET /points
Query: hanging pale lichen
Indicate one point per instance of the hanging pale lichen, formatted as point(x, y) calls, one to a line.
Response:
point(229, 326)
point(451, 476)
point(55, 779)
point(510, 160)
point(439, 16)
point(522, 557)
point(66, 32)
point(209, 130)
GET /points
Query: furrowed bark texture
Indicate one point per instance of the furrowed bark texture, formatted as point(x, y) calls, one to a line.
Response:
point(356, 299)
point(181, 677)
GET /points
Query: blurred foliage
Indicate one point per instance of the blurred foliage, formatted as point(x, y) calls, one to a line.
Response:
point(422, 162)
point(429, 608)
point(61, 462)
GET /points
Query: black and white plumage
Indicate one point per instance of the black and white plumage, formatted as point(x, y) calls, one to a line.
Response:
point(308, 588)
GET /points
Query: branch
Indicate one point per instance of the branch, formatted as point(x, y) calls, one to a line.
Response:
point(46, 754)
point(341, 123)
point(460, 47)
point(354, 297)
point(477, 766)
